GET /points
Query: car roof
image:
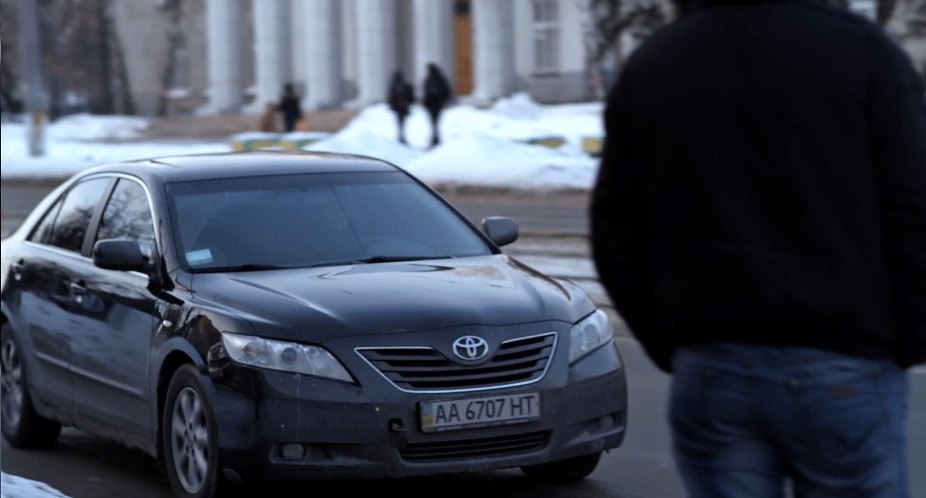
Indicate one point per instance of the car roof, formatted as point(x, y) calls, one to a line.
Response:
point(193, 167)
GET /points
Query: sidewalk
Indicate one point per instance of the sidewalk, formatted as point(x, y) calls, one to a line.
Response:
point(219, 128)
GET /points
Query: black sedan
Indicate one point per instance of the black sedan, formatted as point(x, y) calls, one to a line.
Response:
point(297, 316)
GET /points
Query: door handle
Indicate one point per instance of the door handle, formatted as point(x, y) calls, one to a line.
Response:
point(17, 269)
point(77, 291)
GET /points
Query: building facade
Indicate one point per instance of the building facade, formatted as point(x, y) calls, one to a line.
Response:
point(229, 56)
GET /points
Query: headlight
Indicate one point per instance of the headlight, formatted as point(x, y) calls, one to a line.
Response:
point(589, 334)
point(285, 356)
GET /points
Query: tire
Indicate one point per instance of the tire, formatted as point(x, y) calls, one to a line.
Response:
point(564, 471)
point(21, 425)
point(191, 456)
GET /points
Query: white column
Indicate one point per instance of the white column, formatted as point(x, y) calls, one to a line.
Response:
point(376, 49)
point(271, 49)
point(322, 52)
point(433, 38)
point(297, 46)
point(224, 26)
point(493, 47)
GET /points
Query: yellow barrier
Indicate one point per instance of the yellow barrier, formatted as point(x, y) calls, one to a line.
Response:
point(245, 142)
point(593, 145)
point(551, 142)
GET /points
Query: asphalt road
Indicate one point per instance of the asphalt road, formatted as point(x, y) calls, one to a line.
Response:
point(83, 466)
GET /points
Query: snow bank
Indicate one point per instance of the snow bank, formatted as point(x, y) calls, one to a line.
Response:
point(18, 487)
point(518, 106)
point(514, 118)
point(480, 147)
point(359, 140)
point(485, 160)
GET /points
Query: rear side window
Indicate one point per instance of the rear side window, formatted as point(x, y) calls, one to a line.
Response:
point(70, 226)
point(128, 216)
point(43, 230)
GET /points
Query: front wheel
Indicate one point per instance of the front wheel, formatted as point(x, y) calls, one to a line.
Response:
point(189, 437)
point(22, 426)
point(564, 471)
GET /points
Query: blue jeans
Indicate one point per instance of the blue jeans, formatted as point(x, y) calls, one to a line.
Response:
point(748, 419)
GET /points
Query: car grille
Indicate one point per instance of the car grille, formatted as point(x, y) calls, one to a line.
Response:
point(424, 369)
point(471, 448)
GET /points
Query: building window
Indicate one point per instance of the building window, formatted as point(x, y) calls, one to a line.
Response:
point(546, 36)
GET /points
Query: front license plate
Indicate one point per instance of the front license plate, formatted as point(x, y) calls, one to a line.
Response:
point(484, 411)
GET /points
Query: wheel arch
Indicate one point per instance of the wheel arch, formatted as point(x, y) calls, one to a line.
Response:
point(174, 354)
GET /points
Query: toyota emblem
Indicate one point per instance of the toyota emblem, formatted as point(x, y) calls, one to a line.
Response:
point(470, 347)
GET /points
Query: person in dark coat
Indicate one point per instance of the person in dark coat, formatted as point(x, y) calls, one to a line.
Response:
point(401, 97)
point(759, 221)
point(289, 107)
point(436, 96)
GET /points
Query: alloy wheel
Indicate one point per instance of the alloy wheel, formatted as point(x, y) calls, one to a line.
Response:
point(190, 440)
point(11, 397)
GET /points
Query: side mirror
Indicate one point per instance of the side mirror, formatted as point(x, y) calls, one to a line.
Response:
point(119, 254)
point(500, 229)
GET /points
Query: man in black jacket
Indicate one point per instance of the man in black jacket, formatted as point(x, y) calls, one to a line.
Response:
point(437, 95)
point(759, 220)
point(401, 98)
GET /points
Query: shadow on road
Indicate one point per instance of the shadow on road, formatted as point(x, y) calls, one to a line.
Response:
point(81, 466)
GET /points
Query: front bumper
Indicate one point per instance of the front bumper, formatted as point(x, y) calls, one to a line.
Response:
point(371, 430)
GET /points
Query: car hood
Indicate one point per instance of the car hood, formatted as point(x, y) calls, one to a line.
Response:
point(317, 304)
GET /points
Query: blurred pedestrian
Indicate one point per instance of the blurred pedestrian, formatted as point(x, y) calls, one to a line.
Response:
point(759, 220)
point(436, 95)
point(401, 97)
point(289, 107)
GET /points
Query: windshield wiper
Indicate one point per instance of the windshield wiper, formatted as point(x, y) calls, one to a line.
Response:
point(391, 259)
point(244, 267)
point(376, 259)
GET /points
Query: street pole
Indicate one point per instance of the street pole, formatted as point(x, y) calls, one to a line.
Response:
point(34, 91)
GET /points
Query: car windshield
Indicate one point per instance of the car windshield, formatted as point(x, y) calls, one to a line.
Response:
point(319, 219)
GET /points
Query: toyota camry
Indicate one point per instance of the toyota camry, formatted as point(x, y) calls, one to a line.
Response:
point(297, 316)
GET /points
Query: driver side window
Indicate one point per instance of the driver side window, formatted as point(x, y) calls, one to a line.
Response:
point(128, 216)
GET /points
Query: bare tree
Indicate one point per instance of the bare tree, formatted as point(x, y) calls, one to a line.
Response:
point(608, 21)
point(82, 57)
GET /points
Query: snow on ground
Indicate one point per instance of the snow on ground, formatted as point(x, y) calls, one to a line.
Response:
point(92, 127)
point(74, 143)
point(485, 160)
point(18, 487)
point(482, 147)
point(359, 140)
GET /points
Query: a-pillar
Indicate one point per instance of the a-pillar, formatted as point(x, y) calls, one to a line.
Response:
point(224, 30)
point(433, 37)
point(376, 49)
point(493, 34)
point(322, 52)
point(272, 50)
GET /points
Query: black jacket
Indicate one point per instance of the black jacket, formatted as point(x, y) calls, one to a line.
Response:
point(764, 181)
point(437, 91)
point(289, 106)
point(401, 96)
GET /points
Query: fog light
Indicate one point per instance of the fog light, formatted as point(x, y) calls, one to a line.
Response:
point(605, 423)
point(292, 451)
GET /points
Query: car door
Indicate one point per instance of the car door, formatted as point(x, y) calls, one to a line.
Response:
point(44, 292)
point(110, 361)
